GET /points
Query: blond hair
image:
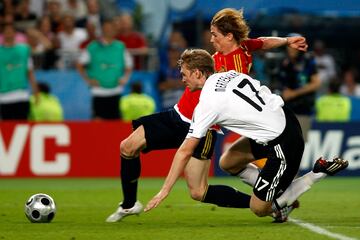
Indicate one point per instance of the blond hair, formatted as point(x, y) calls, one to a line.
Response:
point(230, 20)
point(197, 59)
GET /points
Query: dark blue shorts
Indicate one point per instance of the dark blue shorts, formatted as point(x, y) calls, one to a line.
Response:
point(166, 130)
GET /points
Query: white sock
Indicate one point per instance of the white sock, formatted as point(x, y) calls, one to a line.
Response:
point(249, 174)
point(298, 187)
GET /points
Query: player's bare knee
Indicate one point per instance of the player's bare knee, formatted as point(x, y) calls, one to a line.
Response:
point(258, 210)
point(256, 206)
point(228, 166)
point(223, 164)
point(259, 207)
point(126, 148)
point(196, 194)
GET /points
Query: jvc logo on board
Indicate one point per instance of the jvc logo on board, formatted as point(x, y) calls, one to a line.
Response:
point(330, 144)
point(10, 155)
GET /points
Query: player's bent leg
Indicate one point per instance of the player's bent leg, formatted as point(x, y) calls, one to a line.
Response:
point(299, 186)
point(259, 207)
point(130, 172)
point(196, 175)
point(237, 156)
point(197, 172)
point(132, 145)
point(249, 174)
point(288, 200)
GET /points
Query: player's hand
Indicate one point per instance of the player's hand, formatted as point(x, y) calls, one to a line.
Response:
point(156, 200)
point(298, 43)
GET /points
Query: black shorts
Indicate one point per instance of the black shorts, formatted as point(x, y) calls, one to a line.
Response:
point(106, 107)
point(166, 130)
point(284, 156)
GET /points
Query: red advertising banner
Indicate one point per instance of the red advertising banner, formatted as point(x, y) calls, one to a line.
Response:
point(70, 149)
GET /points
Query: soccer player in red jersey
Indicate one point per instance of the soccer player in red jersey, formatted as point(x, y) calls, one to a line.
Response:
point(234, 48)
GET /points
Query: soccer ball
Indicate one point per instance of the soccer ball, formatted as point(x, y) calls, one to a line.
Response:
point(40, 208)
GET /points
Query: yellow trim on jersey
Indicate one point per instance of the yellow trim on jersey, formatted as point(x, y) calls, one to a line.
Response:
point(240, 62)
point(237, 63)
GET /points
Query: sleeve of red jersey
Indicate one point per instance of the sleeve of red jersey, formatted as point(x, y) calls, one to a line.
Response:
point(253, 44)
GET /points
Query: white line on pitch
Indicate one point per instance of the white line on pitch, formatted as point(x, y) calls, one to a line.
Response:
point(319, 230)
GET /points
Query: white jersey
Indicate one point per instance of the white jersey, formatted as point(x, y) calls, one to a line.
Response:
point(239, 103)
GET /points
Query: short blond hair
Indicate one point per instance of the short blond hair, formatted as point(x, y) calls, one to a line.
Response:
point(197, 59)
point(230, 20)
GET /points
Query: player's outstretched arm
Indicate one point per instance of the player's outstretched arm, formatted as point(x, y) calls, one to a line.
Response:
point(181, 158)
point(296, 42)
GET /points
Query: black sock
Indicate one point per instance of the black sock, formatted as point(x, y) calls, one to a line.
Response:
point(225, 196)
point(275, 206)
point(130, 173)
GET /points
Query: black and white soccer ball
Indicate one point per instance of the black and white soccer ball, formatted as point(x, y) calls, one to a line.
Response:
point(40, 208)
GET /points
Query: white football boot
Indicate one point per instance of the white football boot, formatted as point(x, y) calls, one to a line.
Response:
point(120, 213)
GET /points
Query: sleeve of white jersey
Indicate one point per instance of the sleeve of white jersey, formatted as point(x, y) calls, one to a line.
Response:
point(202, 120)
point(205, 116)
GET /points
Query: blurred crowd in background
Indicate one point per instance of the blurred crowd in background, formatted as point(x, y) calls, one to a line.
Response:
point(67, 35)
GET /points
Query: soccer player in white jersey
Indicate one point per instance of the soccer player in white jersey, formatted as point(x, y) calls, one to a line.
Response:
point(239, 103)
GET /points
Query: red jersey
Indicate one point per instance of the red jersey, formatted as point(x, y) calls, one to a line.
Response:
point(239, 60)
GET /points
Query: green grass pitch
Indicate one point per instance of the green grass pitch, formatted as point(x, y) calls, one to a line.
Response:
point(84, 204)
